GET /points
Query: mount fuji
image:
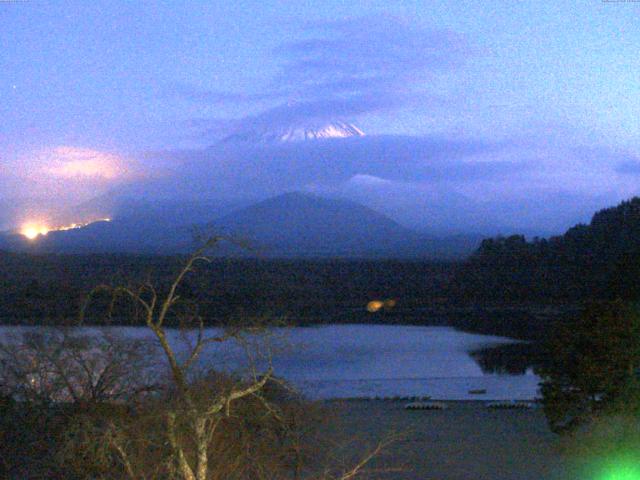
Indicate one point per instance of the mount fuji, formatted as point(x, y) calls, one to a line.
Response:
point(291, 225)
point(295, 133)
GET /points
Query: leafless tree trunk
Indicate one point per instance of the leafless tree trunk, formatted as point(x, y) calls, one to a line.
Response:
point(201, 419)
point(183, 436)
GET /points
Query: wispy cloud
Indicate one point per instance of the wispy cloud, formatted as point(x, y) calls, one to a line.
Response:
point(215, 97)
point(343, 69)
point(629, 167)
point(261, 170)
point(374, 53)
point(45, 183)
point(442, 183)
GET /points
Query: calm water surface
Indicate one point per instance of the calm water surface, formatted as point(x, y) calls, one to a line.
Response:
point(339, 361)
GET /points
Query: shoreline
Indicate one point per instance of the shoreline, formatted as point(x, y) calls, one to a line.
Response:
point(465, 441)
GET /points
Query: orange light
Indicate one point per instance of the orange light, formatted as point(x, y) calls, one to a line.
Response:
point(390, 303)
point(33, 231)
point(374, 306)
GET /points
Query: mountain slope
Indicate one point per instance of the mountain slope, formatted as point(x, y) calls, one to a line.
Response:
point(117, 236)
point(296, 224)
point(289, 225)
point(304, 225)
point(295, 133)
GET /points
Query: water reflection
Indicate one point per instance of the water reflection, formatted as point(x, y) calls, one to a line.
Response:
point(508, 359)
point(338, 361)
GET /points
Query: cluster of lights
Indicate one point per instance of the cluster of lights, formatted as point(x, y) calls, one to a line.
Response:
point(376, 305)
point(33, 230)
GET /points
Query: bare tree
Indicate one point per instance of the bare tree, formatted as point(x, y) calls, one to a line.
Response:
point(200, 404)
point(194, 418)
point(168, 419)
point(67, 365)
point(50, 378)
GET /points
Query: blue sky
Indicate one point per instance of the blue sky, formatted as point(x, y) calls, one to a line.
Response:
point(548, 80)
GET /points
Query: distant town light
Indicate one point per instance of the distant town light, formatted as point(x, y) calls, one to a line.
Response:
point(374, 306)
point(32, 230)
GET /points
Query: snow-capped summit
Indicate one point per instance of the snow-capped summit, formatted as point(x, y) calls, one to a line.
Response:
point(295, 133)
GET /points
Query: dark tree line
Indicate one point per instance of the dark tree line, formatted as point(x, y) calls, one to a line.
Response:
point(600, 260)
point(51, 288)
point(591, 366)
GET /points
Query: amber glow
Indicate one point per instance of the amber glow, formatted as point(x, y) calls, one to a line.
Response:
point(374, 305)
point(33, 230)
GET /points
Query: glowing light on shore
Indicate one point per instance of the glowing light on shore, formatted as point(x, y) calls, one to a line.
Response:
point(377, 305)
point(374, 305)
point(33, 230)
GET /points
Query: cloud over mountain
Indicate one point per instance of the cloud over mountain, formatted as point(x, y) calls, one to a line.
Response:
point(50, 181)
point(341, 70)
point(80, 164)
point(436, 183)
point(490, 132)
point(265, 169)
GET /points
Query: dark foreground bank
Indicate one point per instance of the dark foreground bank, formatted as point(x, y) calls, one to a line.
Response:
point(466, 441)
point(51, 289)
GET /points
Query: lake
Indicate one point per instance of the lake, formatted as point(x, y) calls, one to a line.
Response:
point(343, 361)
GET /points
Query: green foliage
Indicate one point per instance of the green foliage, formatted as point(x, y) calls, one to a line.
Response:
point(592, 366)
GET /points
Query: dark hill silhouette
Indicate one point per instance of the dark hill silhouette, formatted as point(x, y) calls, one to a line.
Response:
point(289, 225)
point(296, 224)
point(119, 236)
point(598, 260)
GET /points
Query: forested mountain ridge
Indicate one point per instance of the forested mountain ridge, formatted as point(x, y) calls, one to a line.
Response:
point(598, 260)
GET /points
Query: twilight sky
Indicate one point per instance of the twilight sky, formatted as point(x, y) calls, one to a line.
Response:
point(480, 116)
